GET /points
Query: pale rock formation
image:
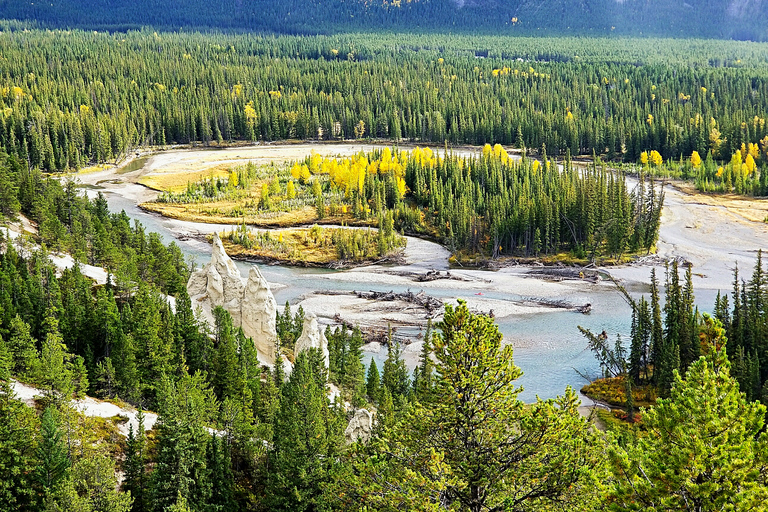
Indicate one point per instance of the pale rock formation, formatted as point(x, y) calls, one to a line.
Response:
point(250, 302)
point(312, 337)
point(258, 310)
point(359, 427)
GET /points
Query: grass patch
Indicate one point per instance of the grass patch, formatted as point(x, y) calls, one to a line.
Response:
point(178, 181)
point(95, 168)
point(614, 420)
point(313, 246)
point(612, 391)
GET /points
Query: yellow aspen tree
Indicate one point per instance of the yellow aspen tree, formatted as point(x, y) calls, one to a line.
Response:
point(290, 190)
point(749, 164)
point(754, 150)
point(656, 158)
point(644, 158)
point(714, 136)
point(695, 159)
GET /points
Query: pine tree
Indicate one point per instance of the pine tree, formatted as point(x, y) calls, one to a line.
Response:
point(18, 425)
point(476, 445)
point(134, 466)
point(373, 382)
point(227, 378)
point(354, 369)
point(630, 401)
point(25, 357)
point(52, 453)
point(423, 385)
point(106, 379)
point(703, 448)
point(186, 407)
point(220, 468)
point(307, 436)
point(55, 373)
point(395, 374)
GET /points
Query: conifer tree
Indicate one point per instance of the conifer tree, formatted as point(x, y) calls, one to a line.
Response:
point(373, 382)
point(134, 466)
point(475, 444)
point(395, 374)
point(52, 453)
point(25, 357)
point(307, 437)
point(18, 425)
point(704, 448)
point(227, 378)
point(220, 468)
point(424, 374)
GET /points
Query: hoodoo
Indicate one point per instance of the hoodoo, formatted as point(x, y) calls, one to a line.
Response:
point(250, 302)
point(312, 337)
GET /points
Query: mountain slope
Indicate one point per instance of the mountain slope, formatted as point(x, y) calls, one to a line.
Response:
point(736, 19)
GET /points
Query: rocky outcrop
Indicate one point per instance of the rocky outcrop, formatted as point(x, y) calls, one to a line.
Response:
point(258, 312)
point(250, 302)
point(312, 337)
point(359, 427)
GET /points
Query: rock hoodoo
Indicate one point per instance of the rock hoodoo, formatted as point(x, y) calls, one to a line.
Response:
point(312, 337)
point(250, 302)
point(359, 427)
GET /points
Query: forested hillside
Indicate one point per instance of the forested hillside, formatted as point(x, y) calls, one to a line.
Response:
point(728, 19)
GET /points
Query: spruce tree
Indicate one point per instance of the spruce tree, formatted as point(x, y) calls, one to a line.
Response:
point(373, 382)
point(307, 437)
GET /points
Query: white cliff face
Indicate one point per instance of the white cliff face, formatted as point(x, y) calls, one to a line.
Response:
point(312, 337)
point(359, 427)
point(250, 302)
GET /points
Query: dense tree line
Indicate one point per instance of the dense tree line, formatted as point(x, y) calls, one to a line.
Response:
point(71, 98)
point(720, 19)
point(67, 220)
point(533, 207)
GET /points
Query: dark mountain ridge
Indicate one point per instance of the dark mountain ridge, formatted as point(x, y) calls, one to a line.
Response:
point(726, 19)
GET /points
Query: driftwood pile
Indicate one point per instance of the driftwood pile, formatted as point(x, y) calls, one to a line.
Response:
point(431, 304)
point(566, 274)
point(561, 304)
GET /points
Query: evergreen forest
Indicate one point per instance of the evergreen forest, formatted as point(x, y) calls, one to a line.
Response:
point(70, 99)
point(560, 124)
point(233, 434)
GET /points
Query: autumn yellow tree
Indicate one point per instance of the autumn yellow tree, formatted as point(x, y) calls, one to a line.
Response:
point(695, 159)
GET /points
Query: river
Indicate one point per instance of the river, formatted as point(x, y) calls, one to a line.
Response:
point(547, 344)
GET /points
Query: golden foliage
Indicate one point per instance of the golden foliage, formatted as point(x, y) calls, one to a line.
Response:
point(695, 159)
